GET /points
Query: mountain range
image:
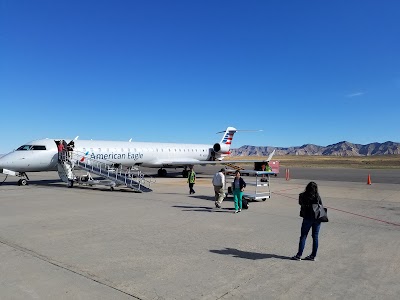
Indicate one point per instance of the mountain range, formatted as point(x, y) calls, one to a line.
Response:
point(339, 149)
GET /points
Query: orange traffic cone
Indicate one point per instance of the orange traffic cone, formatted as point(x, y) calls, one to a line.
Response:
point(369, 179)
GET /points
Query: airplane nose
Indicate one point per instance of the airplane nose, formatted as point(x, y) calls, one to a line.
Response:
point(3, 162)
point(6, 162)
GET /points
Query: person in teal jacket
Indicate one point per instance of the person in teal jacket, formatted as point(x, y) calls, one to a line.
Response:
point(191, 180)
point(238, 186)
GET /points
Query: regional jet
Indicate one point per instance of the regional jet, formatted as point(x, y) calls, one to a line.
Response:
point(42, 155)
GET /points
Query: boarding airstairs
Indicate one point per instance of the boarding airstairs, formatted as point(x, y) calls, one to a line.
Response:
point(113, 176)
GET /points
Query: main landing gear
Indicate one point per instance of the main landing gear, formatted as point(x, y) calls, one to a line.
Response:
point(162, 172)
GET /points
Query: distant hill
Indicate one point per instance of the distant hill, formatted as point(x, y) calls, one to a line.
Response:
point(340, 149)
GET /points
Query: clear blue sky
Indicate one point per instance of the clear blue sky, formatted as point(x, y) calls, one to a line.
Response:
point(315, 72)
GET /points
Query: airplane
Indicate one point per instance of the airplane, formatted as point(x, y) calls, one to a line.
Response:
point(42, 155)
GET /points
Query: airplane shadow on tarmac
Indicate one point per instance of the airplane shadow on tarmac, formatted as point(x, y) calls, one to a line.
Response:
point(248, 255)
point(54, 182)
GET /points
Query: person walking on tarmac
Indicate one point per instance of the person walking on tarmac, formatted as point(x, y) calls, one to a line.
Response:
point(238, 186)
point(219, 187)
point(191, 180)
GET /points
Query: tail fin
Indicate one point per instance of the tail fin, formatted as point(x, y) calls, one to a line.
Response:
point(221, 149)
point(228, 136)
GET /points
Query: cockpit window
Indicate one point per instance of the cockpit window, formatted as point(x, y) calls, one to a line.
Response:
point(37, 147)
point(31, 147)
point(25, 147)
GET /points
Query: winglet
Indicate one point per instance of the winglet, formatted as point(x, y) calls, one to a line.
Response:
point(271, 155)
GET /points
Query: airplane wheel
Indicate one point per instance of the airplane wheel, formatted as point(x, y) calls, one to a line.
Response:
point(22, 182)
point(111, 188)
point(162, 173)
point(70, 183)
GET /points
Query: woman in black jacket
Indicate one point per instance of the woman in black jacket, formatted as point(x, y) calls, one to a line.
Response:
point(306, 199)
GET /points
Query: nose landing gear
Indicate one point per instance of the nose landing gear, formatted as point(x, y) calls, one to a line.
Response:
point(23, 181)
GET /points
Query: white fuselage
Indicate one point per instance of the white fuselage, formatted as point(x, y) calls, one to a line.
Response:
point(43, 154)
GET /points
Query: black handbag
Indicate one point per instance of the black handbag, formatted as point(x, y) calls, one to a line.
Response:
point(320, 212)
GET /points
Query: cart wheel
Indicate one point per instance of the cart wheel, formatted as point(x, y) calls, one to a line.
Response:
point(263, 199)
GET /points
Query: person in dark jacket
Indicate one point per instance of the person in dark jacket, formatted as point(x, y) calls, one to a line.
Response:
point(306, 199)
point(238, 186)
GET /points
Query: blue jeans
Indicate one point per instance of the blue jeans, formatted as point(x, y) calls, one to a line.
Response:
point(305, 228)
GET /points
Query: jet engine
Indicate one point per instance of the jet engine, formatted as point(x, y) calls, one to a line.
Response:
point(221, 148)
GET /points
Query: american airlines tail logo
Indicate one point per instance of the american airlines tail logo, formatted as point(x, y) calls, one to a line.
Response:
point(228, 137)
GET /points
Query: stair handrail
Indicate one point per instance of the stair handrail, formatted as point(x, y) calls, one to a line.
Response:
point(81, 159)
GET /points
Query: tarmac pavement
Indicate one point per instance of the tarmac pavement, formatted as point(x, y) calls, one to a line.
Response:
point(91, 243)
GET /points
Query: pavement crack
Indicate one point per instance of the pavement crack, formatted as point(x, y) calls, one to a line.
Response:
point(66, 267)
